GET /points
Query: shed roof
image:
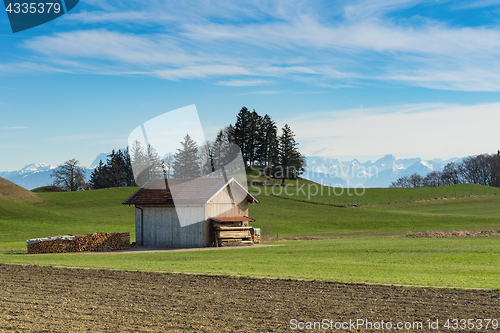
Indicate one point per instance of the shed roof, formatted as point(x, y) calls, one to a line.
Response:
point(187, 191)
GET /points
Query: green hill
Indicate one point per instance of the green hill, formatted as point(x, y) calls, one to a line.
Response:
point(13, 192)
point(101, 211)
point(65, 213)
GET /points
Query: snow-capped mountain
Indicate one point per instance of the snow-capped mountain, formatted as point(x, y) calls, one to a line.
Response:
point(323, 170)
point(31, 176)
point(380, 173)
point(38, 174)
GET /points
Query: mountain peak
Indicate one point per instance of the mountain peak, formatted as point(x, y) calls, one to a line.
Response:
point(36, 167)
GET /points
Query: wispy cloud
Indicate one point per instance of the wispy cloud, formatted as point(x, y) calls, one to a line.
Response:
point(14, 127)
point(263, 92)
point(329, 45)
point(243, 83)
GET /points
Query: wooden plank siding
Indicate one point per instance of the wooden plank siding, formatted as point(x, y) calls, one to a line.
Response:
point(222, 205)
point(162, 227)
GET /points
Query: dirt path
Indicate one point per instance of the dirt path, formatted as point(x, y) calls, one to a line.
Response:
point(141, 249)
point(43, 299)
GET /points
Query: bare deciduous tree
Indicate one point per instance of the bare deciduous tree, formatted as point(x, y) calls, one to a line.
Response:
point(70, 176)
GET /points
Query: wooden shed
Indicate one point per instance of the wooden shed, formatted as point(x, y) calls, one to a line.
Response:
point(161, 222)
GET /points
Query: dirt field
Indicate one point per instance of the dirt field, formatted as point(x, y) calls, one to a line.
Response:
point(41, 299)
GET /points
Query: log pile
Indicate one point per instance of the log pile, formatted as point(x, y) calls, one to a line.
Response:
point(104, 241)
point(232, 233)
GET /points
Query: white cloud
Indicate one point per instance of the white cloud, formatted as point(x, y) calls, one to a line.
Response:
point(201, 72)
point(243, 83)
point(424, 130)
point(263, 92)
point(327, 45)
point(14, 127)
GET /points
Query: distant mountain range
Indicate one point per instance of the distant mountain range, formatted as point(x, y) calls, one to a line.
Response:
point(323, 170)
point(35, 175)
point(380, 173)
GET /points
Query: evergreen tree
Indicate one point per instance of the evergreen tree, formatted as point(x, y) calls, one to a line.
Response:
point(242, 132)
point(186, 160)
point(292, 163)
point(117, 172)
point(268, 146)
point(255, 134)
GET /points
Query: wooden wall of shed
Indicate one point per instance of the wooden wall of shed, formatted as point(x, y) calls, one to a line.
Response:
point(222, 205)
point(162, 227)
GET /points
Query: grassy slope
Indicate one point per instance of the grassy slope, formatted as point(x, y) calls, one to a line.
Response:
point(13, 192)
point(291, 218)
point(454, 262)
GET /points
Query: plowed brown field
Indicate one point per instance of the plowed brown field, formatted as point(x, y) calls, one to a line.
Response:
point(43, 299)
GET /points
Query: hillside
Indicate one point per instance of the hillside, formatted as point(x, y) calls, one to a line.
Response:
point(13, 192)
point(102, 211)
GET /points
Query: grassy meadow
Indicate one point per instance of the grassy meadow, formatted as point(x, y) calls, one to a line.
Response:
point(358, 243)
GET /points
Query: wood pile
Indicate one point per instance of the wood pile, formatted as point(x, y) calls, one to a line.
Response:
point(104, 241)
point(233, 233)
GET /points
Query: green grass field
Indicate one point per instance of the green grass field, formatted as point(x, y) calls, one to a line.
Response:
point(362, 244)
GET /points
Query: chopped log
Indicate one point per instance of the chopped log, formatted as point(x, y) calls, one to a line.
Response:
point(234, 242)
point(234, 234)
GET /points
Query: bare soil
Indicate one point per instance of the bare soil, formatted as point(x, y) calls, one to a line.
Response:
point(44, 299)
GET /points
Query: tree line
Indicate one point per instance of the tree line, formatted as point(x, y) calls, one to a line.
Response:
point(261, 145)
point(480, 169)
point(255, 136)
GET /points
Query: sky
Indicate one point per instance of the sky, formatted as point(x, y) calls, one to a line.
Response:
point(353, 79)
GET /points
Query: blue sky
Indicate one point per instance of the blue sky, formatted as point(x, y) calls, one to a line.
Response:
point(353, 79)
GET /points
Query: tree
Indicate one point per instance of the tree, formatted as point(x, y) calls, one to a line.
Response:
point(186, 160)
point(433, 179)
point(117, 172)
point(415, 180)
point(401, 182)
point(291, 162)
point(242, 132)
point(268, 147)
point(146, 163)
point(451, 174)
point(255, 137)
point(70, 176)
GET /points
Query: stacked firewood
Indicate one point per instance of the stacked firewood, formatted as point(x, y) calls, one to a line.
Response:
point(232, 233)
point(93, 242)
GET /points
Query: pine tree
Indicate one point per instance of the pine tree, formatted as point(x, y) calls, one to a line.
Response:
point(242, 132)
point(186, 160)
point(254, 139)
point(268, 146)
point(292, 163)
point(117, 172)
